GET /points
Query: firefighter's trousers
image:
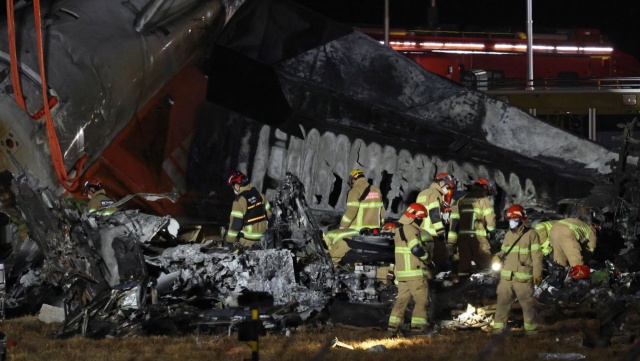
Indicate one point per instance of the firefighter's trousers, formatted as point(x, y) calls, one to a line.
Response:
point(418, 290)
point(472, 248)
point(566, 249)
point(336, 243)
point(508, 291)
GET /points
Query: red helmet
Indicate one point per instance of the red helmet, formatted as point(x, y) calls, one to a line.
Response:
point(447, 198)
point(579, 272)
point(447, 178)
point(389, 226)
point(238, 177)
point(487, 184)
point(91, 183)
point(416, 211)
point(516, 211)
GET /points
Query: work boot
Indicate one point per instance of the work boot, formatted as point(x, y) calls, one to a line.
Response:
point(393, 332)
point(432, 330)
point(429, 331)
point(491, 330)
point(415, 331)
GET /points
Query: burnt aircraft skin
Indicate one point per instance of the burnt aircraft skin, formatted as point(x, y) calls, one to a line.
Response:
point(331, 80)
point(347, 70)
point(362, 105)
point(101, 69)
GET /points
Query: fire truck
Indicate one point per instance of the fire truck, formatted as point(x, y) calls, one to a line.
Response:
point(581, 81)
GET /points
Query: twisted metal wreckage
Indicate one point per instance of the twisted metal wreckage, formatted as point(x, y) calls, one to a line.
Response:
point(115, 275)
point(355, 103)
point(128, 274)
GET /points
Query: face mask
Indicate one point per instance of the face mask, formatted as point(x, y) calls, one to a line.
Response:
point(514, 224)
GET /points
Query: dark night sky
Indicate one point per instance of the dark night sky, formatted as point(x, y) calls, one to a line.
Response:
point(619, 20)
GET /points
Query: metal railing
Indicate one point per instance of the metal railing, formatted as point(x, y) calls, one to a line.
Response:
point(553, 83)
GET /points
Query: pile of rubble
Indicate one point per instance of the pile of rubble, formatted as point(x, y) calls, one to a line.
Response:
point(128, 273)
point(473, 318)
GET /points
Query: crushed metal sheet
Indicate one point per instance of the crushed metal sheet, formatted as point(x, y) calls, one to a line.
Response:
point(226, 275)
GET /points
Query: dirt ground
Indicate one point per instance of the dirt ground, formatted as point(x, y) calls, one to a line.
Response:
point(31, 340)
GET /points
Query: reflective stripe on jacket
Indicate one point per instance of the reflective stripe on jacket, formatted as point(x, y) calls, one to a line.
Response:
point(245, 222)
point(98, 200)
point(471, 217)
point(431, 198)
point(368, 213)
point(407, 265)
point(525, 259)
point(543, 229)
point(584, 232)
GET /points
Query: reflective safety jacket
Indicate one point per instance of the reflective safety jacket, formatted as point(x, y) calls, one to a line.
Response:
point(543, 229)
point(98, 200)
point(432, 198)
point(524, 261)
point(15, 216)
point(471, 217)
point(583, 232)
point(249, 214)
point(407, 265)
point(364, 207)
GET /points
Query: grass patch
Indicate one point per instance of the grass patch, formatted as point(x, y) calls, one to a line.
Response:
point(34, 343)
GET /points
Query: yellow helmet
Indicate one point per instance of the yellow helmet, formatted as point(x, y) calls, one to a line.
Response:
point(355, 174)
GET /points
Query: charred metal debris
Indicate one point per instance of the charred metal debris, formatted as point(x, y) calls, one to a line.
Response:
point(129, 274)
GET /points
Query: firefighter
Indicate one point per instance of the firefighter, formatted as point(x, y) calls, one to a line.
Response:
point(9, 208)
point(473, 221)
point(365, 209)
point(448, 200)
point(573, 242)
point(413, 248)
point(250, 212)
point(520, 260)
point(433, 199)
point(98, 198)
point(543, 229)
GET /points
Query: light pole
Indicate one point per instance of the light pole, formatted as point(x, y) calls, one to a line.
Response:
point(529, 45)
point(386, 22)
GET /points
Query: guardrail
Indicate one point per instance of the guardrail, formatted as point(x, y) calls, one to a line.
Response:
point(553, 83)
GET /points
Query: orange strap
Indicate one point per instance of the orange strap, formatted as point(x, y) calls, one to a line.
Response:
point(48, 103)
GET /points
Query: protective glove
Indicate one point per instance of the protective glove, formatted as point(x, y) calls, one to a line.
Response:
point(496, 259)
point(425, 257)
point(491, 235)
point(390, 275)
point(580, 271)
point(537, 280)
point(236, 247)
